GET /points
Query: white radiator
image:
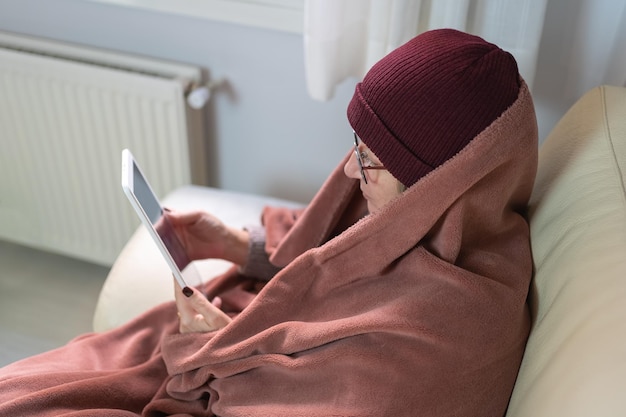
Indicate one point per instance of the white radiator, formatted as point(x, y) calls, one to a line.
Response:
point(66, 113)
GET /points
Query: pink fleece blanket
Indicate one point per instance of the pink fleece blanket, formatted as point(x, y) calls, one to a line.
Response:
point(416, 310)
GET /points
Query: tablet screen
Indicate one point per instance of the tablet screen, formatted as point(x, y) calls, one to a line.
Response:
point(146, 198)
point(151, 213)
point(164, 228)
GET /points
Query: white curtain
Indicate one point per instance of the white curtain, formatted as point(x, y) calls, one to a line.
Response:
point(344, 38)
point(595, 51)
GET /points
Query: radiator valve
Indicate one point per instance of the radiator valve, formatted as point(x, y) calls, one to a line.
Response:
point(201, 94)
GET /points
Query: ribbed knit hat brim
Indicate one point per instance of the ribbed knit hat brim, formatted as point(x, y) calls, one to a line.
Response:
point(425, 101)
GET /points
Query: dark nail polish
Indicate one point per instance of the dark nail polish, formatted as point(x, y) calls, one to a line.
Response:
point(187, 291)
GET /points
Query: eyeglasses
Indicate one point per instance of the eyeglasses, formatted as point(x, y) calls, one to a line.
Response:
point(362, 155)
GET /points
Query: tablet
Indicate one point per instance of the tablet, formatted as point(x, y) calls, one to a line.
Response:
point(150, 211)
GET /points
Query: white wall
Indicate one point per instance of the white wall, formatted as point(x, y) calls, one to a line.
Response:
point(269, 136)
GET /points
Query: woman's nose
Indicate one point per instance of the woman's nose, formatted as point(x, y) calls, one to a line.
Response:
point(351, 168)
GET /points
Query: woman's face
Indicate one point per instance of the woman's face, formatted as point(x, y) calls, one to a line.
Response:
point(381, 186)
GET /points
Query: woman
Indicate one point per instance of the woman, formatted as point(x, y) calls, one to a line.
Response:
point(400, 290)
point(210, 238)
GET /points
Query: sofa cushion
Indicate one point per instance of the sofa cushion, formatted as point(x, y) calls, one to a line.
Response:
point(575, 360)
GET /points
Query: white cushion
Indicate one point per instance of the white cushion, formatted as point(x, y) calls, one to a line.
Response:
point(575, 360)
point(140, 278)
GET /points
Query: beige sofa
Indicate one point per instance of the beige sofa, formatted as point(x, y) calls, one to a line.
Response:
point(575, 360)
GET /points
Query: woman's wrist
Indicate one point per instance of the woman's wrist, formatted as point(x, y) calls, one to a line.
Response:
point(237, 246)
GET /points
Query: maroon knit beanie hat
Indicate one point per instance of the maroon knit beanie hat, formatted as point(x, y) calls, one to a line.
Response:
point(423, 102)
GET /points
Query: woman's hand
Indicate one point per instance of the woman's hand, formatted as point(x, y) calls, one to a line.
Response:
point(205, 236)
point(196, 313)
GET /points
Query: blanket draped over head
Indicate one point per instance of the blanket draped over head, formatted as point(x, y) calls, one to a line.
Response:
point(418, 309)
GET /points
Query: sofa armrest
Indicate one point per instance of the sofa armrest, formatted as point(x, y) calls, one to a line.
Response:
point(574, 364)
point(140, 278)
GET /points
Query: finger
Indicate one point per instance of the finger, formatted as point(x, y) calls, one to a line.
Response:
point(189, 319)
point(196, 313)
point(202, 305)
point(214, 317)
point(183, 218)
point(217, 302)
point(184, 308)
